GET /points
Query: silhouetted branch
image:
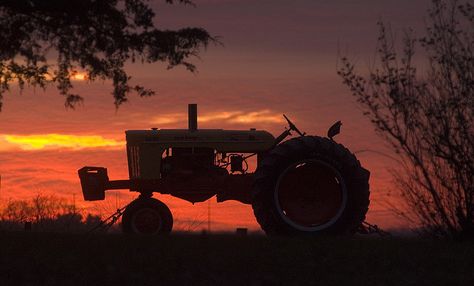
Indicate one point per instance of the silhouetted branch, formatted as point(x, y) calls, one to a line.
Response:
point(428, 119)
point(98, 37)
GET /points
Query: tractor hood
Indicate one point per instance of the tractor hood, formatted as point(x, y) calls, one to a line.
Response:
point(242, 141)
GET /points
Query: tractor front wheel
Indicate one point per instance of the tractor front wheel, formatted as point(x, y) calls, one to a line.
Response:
point(147, 216)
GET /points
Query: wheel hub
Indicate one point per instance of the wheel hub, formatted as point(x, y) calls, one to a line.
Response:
point(146, 221)
point(310, 195)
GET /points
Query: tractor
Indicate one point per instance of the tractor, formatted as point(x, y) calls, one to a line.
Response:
point(307, 185)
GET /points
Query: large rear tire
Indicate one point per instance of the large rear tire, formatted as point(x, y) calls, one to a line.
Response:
point(147, 216)
point(310, 185)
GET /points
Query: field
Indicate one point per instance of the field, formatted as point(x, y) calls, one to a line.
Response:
point(99, 259)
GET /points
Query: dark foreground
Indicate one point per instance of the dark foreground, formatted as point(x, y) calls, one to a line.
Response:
point(72, 259)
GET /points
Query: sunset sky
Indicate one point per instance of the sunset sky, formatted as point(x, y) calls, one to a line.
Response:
point(277, 57)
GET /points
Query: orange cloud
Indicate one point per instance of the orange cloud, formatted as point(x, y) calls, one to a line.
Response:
point(242, 117)
point(219, 116)
point(79, 76)
point(56, 141)
point(169, 119)
point(263, 116)
point(74, 75)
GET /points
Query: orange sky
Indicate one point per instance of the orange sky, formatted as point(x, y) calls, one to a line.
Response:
point(278, 57)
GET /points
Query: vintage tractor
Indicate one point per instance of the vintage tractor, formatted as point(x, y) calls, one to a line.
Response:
point(305, 185)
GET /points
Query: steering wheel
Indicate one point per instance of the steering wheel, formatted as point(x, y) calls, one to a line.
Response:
point(293, 126)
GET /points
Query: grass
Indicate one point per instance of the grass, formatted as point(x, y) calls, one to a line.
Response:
point(78, 259)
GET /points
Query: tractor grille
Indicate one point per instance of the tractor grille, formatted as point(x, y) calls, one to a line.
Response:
point(134, 162)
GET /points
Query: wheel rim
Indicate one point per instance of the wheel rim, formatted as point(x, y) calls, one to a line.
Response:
point(310, 195)
point(146, 221)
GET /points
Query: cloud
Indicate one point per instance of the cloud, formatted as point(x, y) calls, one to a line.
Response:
point(79, 76)
point(169, 119)
point(56, 141)
point(232, 117)
point(264, 116)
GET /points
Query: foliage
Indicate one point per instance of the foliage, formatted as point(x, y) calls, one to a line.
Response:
point(45, 213)
point(428, 119)
point(97, 36)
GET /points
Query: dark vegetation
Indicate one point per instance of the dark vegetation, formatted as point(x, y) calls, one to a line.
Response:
point(424, 109)
point(94, 36)
point(45, 213)
point(76, 259)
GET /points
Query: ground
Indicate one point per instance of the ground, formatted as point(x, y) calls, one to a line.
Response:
point(101, 259)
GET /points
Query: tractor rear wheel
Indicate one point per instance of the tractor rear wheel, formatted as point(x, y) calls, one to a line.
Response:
point(310, 185)
point(147, 216)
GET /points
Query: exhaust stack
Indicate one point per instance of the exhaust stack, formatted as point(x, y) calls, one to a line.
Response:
point(192, 117)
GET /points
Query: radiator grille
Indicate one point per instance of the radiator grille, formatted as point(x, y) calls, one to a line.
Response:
point(134, 162)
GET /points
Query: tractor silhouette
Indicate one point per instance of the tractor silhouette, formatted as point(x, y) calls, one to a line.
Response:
point(304, 185)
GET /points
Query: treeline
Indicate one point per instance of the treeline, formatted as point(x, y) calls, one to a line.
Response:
point(45, 213)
